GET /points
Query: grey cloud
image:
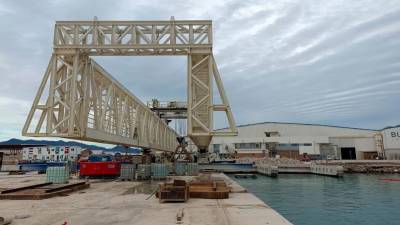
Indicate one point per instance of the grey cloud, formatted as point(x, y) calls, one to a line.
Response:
point(333, 62)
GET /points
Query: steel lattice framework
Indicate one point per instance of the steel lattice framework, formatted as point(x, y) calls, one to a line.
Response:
point(84, 102)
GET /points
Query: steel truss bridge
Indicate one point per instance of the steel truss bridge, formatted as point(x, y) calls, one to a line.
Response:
point(78, 99)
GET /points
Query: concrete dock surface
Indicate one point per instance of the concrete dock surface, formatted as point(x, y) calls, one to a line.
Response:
point(123, 203)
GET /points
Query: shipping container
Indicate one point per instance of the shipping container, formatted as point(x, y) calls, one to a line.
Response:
point(100, 169)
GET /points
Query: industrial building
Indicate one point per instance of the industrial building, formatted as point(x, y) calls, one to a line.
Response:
point(51, 153)
point(291, 140)
point(391, 142)
point(12, 153)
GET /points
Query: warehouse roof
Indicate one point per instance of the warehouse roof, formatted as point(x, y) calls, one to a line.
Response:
point(307, 124)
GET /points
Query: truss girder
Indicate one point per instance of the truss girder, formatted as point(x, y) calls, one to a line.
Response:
point(174, 37)
point(82, 101)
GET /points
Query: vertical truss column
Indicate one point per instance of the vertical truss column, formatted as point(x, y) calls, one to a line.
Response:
point(65, 107)
point(200, 111)
point(75, 99)
point(202, 72)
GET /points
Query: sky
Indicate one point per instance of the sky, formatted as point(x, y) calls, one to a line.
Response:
point(331, 62)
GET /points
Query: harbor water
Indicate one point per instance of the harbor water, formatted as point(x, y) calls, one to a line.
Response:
point(307, 199)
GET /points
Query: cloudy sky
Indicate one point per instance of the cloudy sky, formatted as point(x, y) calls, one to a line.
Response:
point(332, 62)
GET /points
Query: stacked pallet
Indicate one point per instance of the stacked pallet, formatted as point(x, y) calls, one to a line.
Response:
point(179, 191)
point(159, 171)
point(143, 172)
point(188, 169)
point(211, 189)
point(127, 172)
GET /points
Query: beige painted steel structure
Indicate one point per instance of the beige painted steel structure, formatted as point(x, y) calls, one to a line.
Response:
point(85, 102)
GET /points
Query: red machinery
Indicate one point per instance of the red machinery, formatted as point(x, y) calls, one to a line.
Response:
point(99, 166)
point(305, 157)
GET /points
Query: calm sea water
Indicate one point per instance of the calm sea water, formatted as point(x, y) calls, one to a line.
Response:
point(318, 200)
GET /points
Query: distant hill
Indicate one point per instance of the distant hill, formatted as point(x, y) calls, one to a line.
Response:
point(391, 127)
point(118, 148)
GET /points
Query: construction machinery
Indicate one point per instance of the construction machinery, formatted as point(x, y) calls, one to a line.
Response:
point(181, 151)
point(78, 99)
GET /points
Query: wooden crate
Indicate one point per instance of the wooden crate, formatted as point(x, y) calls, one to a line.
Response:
point(209, 189)
point(178, 191)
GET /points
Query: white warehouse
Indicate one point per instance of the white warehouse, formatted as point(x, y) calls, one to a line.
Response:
point(291, 140)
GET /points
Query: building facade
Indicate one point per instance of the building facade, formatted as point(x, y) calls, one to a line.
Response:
point(292, 140)
point(391, 142)
point(12, 153)
point(51, 153)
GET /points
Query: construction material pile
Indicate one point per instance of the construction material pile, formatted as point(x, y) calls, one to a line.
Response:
point(209, 189)
point(178, 191)
point(181, 190)
point(278, 162)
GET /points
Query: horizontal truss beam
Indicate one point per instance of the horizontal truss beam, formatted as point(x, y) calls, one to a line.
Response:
point(174, 37)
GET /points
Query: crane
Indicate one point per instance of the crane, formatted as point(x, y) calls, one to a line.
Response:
point(78, 99)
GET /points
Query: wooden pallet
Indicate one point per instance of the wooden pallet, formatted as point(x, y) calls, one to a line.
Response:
point(209, 189)
point(178, 191)
point(42, 191)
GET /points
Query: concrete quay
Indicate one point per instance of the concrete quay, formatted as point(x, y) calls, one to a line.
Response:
point(123, 203)
point(273, 170)
point(268, 170)
point(325, 170)
point(365, 166)
point(328, 170)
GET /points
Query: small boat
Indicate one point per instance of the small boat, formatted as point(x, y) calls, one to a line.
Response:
point(245, 175)
point(224, 161)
